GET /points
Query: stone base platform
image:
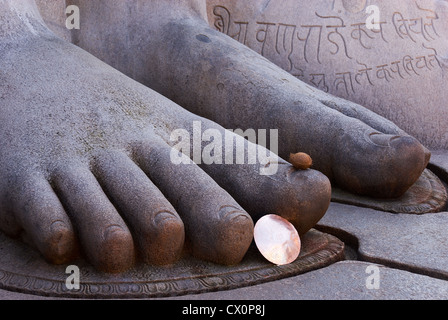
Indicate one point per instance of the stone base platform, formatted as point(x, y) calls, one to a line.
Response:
point(23, 270)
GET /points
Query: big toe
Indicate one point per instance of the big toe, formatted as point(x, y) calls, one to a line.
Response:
point(382, 166)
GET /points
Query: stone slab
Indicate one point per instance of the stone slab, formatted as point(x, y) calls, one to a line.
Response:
point(418, 243)
point(344, 280)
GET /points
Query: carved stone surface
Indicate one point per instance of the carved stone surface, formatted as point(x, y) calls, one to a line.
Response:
point(427, 195)
point(185, 277)
point(55, 18)
point(439, 164)
point(83, 185)
point(397, 68)
point(417, 243)
point(344, 280)
point(218, 78)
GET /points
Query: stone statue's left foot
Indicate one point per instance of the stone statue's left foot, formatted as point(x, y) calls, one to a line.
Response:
point(85, 163)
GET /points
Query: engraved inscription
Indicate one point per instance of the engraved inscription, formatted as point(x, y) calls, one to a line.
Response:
point(347, 82)
point(299, 47)
point(413, 27)
point(223, 24)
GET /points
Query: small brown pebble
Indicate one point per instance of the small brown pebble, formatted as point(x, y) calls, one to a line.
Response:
point(300, 161)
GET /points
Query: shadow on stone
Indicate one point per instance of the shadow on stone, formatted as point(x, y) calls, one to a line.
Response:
point(427, 195)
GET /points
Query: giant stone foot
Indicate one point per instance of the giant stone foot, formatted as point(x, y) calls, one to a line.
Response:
point(176, 53)
point(86, 163)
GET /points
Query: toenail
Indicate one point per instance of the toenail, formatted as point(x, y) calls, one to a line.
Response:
point(113, 231)
point(62, 245)
point(232, 213)
point(381, 139)
point(163, 216)
point(394, 138)
point(58, 226)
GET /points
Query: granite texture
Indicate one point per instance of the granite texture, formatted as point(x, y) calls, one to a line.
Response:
point(177, 54)
point(398, 70)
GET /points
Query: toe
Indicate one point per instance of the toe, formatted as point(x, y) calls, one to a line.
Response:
point(104, 236)
point(42, 216)
point(215, 233)
point(157, 229)
point(355, 156)
point(232, 231)
point(356, 111)
point(300, 196)
point(376, 164)
point(8, 221)
point(372, 156)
